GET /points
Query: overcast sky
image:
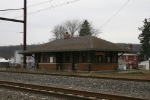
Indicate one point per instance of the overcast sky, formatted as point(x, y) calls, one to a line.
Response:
point(122, 28)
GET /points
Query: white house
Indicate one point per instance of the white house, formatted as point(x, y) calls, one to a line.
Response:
point(3, 59)
point(145, 65)
point(17, 60)
point(30, 61)
point(11, 62)
point(3, 62)
point(122, 64)
point(18, 57)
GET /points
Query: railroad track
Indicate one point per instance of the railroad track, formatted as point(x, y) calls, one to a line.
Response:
point(61, 92)
point(124, 79)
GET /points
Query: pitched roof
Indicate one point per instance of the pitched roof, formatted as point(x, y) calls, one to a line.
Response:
point(83, 43)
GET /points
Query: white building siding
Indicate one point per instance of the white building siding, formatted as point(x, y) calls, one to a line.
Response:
point(18, 59)
point(145, 64)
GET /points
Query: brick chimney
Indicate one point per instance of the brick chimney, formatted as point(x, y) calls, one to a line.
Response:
point(131, 47)
point(66, 35)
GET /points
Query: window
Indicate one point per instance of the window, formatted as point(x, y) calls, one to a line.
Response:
point(44, 57)
point(103, 59)
point(76, 56)
point(84, 57)
point(126, 57)
point(134, 57)
point(108, 59)
point(100, 59)
point(51, 59)
point(67, 57)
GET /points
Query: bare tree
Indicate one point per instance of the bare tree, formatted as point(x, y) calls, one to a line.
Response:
point(58, 32)
point(95, 31)
point(72, 26)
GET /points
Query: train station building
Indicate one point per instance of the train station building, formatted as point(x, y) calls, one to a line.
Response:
point(82, 53)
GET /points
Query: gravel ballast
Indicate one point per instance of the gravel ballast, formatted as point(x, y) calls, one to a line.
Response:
point(107, 86)
point(7, 94)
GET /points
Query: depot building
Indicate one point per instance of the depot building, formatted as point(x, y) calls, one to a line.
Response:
point(82, 53)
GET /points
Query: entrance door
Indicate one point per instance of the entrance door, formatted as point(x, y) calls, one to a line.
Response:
point(59, 60)
point(75, 60)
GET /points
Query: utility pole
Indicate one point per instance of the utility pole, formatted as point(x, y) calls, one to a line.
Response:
point(24, 29)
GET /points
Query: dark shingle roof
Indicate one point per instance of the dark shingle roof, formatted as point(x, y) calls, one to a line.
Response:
point(83, 43)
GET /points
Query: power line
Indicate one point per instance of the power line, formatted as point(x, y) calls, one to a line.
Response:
point(50, 7)
point(29, 6)
point(39, 3)
point(8, 12)
point(11, 9)
point(53, 7)
point(114, 15)
point(44, 10)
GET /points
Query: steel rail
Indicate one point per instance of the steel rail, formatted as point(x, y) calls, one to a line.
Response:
point(68, 92)
point(46, 93)
point(94, 77)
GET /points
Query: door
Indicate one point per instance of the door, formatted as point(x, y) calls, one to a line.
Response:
point(59, 60)
point(75, 60)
